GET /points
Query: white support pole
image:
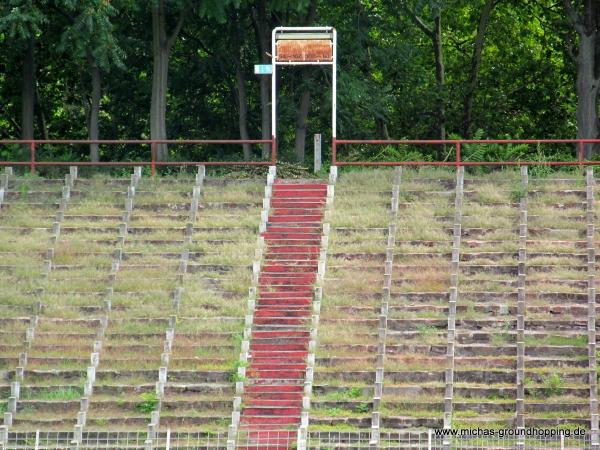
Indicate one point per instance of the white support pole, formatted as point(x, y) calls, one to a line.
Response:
point(334, 87)
point(273, 87)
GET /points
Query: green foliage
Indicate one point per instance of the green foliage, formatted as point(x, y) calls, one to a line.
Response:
point(62, 394)
point(386, 76)
point(148, 403)
point(553, 384)
point(234, 376)
point(362, 408)
point(354, 392)
point(426, 330)
point(22, 19)
point(335, 411)
point(492, 152)
point(518, 192)
point(91, 35)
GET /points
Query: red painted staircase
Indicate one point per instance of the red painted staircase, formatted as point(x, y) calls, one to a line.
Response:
point(277, 360)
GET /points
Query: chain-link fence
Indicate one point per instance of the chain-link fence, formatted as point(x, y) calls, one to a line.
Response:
point(280, 440)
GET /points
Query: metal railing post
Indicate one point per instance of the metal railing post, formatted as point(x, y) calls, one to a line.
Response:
point(153, 157)
point(317, 156)
point(458, 163)
point(168, 443)
point(274, 150)
point(333, 151)
point(32, 150)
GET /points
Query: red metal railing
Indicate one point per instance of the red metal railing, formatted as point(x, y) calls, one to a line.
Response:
point(153, 163)
point(458, 161)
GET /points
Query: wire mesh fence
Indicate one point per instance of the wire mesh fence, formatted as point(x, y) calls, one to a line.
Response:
point(280, 440)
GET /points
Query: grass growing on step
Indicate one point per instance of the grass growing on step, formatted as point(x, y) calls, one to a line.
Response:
point(579, 341)
point(350, 393)
point(553, 385)
point(58, 394)
point(148, 402)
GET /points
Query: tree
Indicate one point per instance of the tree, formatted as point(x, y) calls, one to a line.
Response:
point(90, 39)
point(22, 20)
point(585, 18)
point(486, 12)
point(163, 40)
point(434, 33)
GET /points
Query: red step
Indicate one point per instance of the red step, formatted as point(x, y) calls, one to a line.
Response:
point(293, 241)
point(277, 357)
point(291, 303)
point(278, 313)
point(296, 218)
point(292, 266)
point(273, 411)
point(297, 203)
point(299, 193)
point(280, 367)
point(282, 420)
point(271, 235)
point(300, 288)
point(273, 334)
point(280, 294)
point(285, 280)
point(259, 388)
point(280, 211)
point(273, 402)
point(286, 229)
point(301, 249)
point(278, 321)
point(279, 183)
point(275, 374)
point(279, 256)
point(277, 347)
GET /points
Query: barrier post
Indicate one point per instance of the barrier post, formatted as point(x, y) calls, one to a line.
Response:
point(333, 151)
point(458, 163)
point(32, 149)
point(274, 150)
point(153, 157)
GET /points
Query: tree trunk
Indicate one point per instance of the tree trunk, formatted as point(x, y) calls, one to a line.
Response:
point(587, 91)
point(160, 54)
point(587, 25)
point(382, 129)
point(28, 94)
point(263, 32)
point(301, 120)
point(161, 50)
point(475, 63)
point(440, 75)
point(42, 123)
point(243, 111)
point(93, 132)
point(240, 77)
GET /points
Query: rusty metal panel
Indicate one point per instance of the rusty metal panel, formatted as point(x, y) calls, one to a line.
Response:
point(305, 50)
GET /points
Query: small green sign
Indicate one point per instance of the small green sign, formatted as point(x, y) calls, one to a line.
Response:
point(263, 69)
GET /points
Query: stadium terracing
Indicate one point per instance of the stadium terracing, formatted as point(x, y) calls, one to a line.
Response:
point(363, 310)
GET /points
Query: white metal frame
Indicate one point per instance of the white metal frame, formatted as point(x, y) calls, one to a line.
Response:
point(275, 63)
